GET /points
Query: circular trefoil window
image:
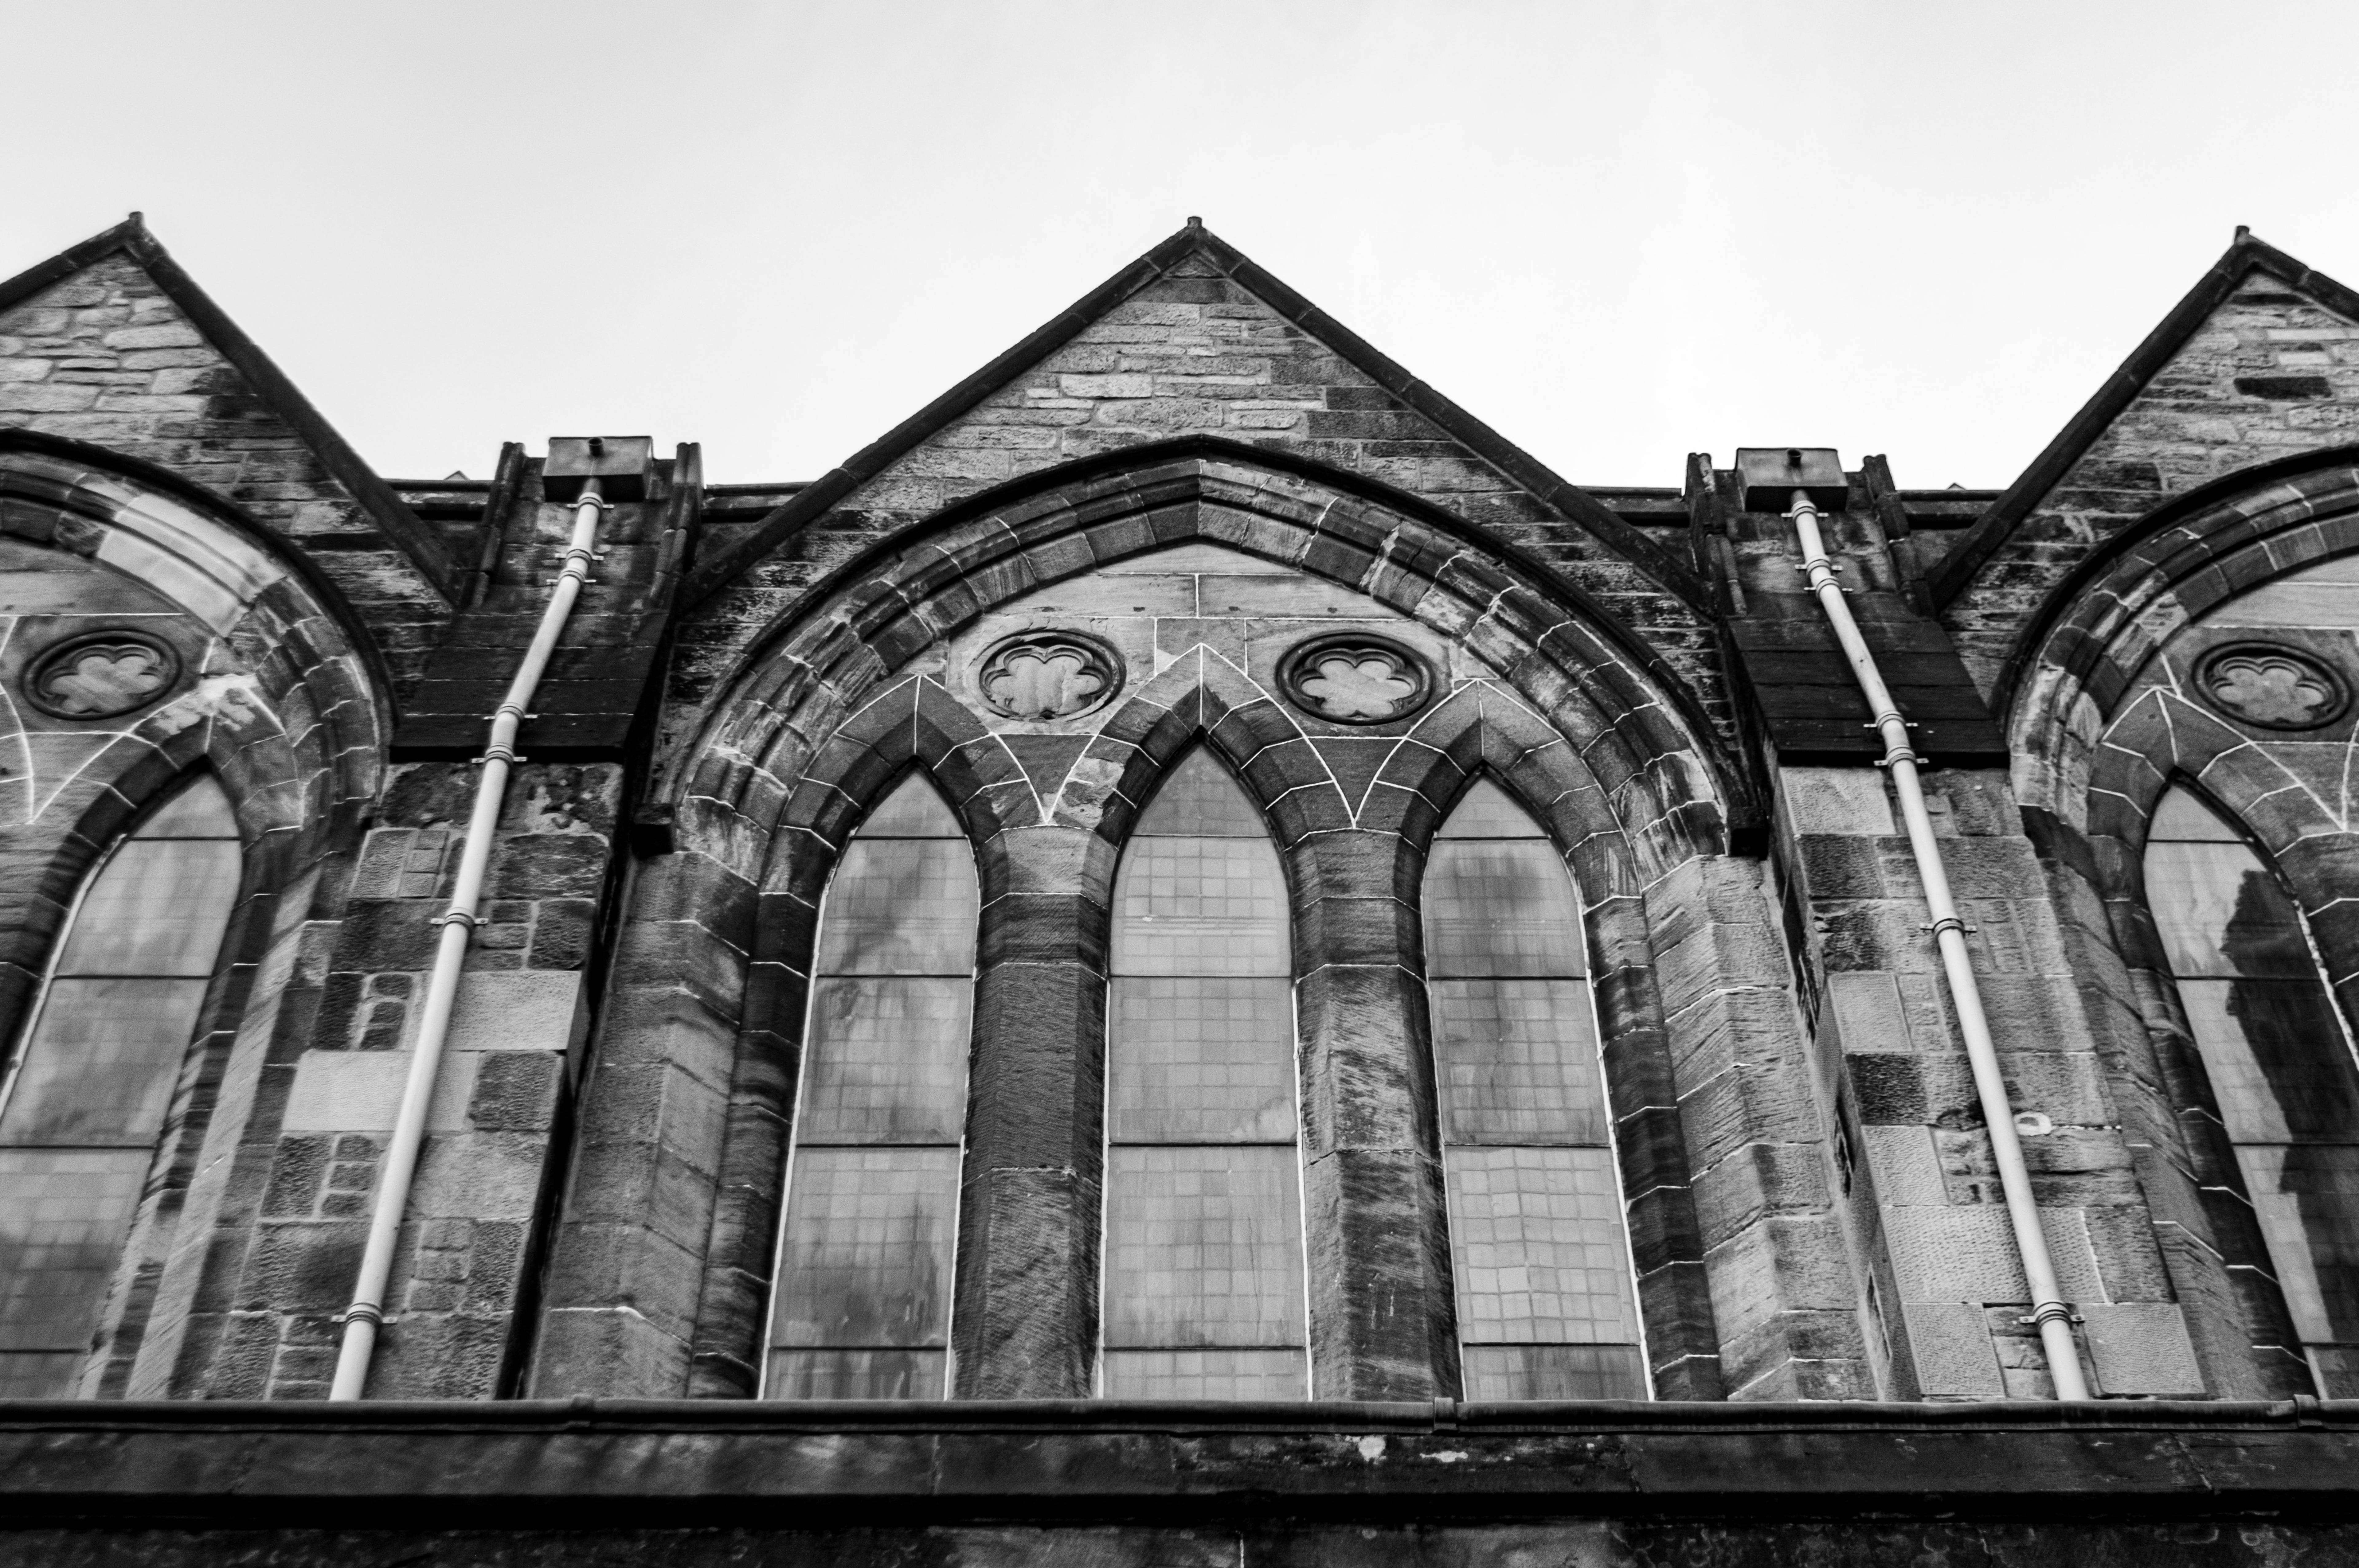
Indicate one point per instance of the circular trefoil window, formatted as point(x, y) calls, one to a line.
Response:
point(2271, 685)
point(98, 674)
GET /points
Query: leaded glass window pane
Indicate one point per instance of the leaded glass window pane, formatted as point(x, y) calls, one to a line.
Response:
point(868, 1235)
point(93, 1077)
point(1203, 1292)
point(1203, 1246)
point(151, 912)
point(1554, 1372)
point(2279, 1064)
point(1202, 1060)
point(858, 1374)
point(1546, 1304)
point(901, 907)
point(862, 1305)
point(1518, 1061)
point(886, 1062)
point(100, 1066)
point(1200, 907)
point(1499, 906)
point(1206, 1375)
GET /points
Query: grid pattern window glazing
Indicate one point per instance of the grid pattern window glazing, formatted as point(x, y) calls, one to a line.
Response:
point(1203, 1292)
point(862, 1299)
point(2279, 1063)
point(1541, 1259)
point(92, 1082)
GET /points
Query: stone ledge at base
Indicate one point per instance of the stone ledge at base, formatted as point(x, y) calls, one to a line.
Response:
point(597, 1465)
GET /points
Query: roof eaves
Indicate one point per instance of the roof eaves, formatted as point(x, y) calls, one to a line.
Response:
point(2017, 501)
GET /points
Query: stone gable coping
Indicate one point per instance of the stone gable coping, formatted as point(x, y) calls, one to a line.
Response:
point(131, 238)
point(1172, 257)
point(1959, 570)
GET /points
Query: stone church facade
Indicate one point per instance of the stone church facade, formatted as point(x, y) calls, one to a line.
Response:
point(1190, 957)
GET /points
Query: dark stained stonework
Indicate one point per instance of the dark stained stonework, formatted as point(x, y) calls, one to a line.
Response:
point(1191, 511)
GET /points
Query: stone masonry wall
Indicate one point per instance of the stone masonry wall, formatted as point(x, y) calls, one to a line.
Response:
point(1191, 352)
point(266, 1327)
point(106, 358)
point(2270, 374)
point(1950, 1289)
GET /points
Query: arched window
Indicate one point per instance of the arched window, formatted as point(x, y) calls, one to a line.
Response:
point(86, 1095)
point(2280, 1062)
point(1546, 1306)
point(1204, 1287)
point(862, 1304)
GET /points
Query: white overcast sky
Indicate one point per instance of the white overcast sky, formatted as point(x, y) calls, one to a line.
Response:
point(1618, 232)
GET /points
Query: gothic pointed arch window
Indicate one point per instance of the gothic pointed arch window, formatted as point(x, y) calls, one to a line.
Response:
point(863, 1303)
point(1541, 1259)
point(2280, 1061)
point(1204, 1294)
point(91, 1083)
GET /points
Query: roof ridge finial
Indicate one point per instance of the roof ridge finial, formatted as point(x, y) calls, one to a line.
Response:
point(1194, 222)
point(2244, 232)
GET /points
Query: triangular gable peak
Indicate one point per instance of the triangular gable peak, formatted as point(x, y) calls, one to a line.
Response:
point(2258, 362)
point(111, 344)
point(1193, 337)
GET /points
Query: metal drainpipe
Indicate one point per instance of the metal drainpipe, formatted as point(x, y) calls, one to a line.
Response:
point(368, 1311)
point(2049, 1312)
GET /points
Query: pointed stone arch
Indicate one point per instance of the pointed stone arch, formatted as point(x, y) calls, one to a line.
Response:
point(838, 701)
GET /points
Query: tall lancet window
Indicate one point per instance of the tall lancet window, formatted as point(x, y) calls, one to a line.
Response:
point(1546, 1308)
point(86, 1095)
point(2280, 1062)
point(862, 1303)
point(1204, 1287)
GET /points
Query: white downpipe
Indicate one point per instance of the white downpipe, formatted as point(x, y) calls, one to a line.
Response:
point(368, 1311)
point(2048, 1311)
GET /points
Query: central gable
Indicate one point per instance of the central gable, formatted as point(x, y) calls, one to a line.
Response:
point(1195, 339)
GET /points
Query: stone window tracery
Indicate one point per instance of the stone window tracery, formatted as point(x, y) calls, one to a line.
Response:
point(2279, 1063)
point(863, 1301)
point(1204, 1286)
point(1545, 1305)
point(87, 1096)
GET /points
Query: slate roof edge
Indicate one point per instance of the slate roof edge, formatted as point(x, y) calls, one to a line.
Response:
point(393, 518)
point(2245, 254)
point(1560, 494)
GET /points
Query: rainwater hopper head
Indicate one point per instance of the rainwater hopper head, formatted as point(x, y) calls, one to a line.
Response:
point(1772, 474)
point(621, 465)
